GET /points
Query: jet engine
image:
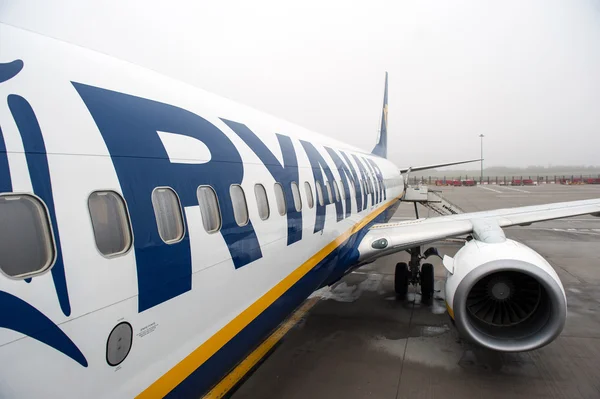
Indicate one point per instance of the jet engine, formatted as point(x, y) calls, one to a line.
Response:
point(504, 296)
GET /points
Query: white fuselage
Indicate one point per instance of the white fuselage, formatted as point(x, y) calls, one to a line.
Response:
point(196, 306)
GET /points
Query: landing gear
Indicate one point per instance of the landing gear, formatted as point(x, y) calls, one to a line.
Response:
point(414, 273)
point(401, 280)
point(427, 281)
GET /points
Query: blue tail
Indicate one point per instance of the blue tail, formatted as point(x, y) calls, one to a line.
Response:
point(381, 146)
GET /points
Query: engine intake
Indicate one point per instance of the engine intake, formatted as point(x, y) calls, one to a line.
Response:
point(505, 299)
point(509, 305)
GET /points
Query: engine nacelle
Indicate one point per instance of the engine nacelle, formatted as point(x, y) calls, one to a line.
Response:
point(505, 296)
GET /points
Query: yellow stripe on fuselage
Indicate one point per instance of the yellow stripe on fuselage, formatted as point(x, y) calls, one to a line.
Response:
point(252, 360)
point(185, 367)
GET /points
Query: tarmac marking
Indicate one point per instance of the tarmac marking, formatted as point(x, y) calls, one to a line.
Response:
point(491, 189)
point(588, 232)
point(578, 231)
point(516, 189)
point(576, 220)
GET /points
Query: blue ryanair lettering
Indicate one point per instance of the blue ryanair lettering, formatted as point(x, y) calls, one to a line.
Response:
point(382, 190)
point(284, 174)
point(129, 126)
point(346, 177)
point(363, 177)
point(360, 205)
point(37, 163)
point(374, 185)
point(317, 162)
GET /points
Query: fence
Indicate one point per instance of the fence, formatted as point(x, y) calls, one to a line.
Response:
point(505, 180)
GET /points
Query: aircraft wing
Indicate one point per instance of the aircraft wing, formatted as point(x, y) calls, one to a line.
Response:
point(384, 239)
point(436, 165)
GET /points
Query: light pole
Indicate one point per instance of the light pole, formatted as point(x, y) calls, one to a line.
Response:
point(481, 136)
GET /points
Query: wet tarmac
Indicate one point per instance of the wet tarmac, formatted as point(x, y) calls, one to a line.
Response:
point(359, 341)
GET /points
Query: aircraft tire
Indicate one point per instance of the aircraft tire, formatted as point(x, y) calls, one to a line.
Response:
point(427, 279)
point(401, 280)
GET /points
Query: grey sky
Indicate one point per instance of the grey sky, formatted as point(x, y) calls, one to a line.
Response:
point(524, 73)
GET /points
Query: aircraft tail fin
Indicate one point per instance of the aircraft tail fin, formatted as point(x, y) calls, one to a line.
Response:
point(381, 146)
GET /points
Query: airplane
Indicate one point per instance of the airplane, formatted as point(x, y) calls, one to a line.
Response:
point(153, 234)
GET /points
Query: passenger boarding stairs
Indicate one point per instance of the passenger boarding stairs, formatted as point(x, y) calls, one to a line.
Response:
point(432, 200)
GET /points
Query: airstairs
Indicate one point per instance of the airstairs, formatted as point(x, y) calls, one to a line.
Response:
point(433, 200)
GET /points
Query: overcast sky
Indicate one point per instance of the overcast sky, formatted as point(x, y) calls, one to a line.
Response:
point(524, 73)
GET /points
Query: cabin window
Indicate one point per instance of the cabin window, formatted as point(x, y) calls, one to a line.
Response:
point(167, 211)
point(319, 192)
point(296, 196)
point(309, 195)
point(280, 199)
point(110, 222)
point(336, 191)
point(329, 195)
point(240, 208)
point(262, 201)
point(26, 242)
point(209, 208)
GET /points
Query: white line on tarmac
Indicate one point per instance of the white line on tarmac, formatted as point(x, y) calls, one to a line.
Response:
point(516, 189)
point(491, 189)
point(582, 231)
point(575, 220)
point(586, 232)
